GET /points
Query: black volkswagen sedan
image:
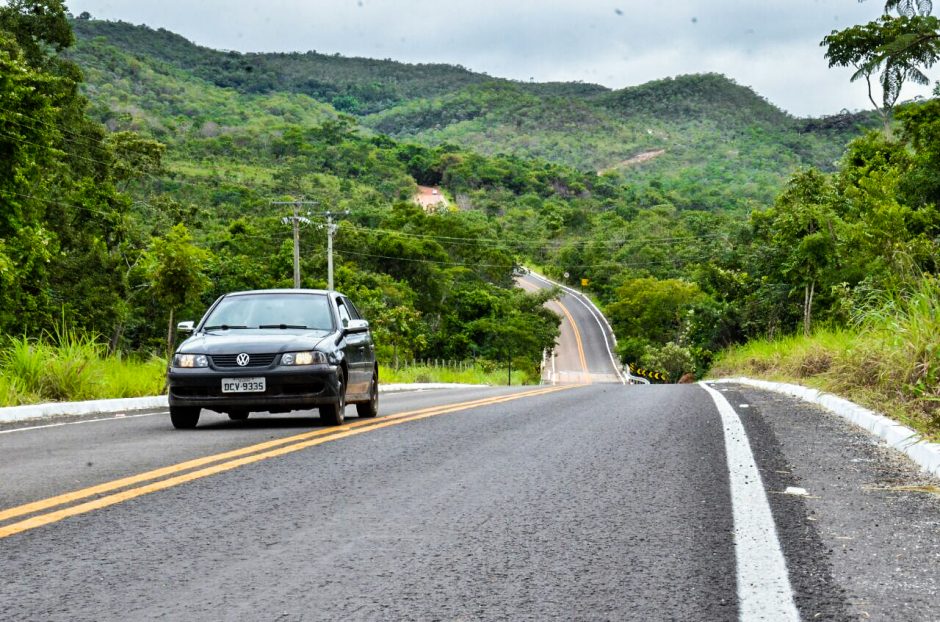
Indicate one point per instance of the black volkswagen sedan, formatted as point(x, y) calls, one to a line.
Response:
point(275, 350)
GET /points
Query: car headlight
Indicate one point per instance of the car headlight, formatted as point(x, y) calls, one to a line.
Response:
point(190, 360)
point(303, 358)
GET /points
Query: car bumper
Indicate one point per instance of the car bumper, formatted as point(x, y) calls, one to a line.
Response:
point(285, 388)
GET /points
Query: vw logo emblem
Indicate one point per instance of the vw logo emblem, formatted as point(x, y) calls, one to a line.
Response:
point(242, 359)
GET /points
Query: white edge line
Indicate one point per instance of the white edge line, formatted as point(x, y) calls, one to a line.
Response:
point(900, 437)
point(764, 590)
point(595, 312)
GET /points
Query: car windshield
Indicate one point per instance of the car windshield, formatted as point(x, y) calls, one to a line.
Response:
point(272, 310)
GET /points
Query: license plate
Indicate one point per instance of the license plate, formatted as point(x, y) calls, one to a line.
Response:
point(243, 385)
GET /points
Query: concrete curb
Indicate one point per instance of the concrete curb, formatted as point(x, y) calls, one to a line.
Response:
point(93, 407)
point(902, 438)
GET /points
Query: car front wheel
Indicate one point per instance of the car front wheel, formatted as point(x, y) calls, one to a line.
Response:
point(184, 417)
point(333, 414)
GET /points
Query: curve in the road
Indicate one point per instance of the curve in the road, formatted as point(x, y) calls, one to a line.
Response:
point(584, 349)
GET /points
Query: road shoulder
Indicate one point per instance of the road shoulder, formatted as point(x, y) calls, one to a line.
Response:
point(868, 509)
point(900, 437)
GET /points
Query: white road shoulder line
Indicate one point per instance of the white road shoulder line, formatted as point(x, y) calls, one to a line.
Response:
point(38, 412)
point(764, 591)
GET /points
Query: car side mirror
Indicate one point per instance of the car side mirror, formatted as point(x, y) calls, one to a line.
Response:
point(356, 326)
point(186, 327)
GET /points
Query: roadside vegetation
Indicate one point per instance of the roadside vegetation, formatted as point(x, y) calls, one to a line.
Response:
point(66, 365)
point(465, 374)
point(888, 358)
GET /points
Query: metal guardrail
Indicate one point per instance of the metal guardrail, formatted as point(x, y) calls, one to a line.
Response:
point(631, 379)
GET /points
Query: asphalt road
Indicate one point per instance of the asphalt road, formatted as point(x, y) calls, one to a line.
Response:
point(583, 499)
point(601, 502)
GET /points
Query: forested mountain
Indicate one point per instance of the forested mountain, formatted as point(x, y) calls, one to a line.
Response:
point(355, 85)
point(714, 143)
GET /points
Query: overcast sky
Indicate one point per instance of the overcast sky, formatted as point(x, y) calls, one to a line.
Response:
point(770, 45)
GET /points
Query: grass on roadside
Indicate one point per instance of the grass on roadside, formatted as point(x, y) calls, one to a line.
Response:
point(889, 360)
point(472, 375)
point(67, 366)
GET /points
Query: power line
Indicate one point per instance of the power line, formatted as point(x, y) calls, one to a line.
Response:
point(557, 243)
point(74, 206)
point(56, 128)
point(107, 164)
point(422, 260)
point(606, 264)
point(53, 148)
point(311, 251)
point(704, 253)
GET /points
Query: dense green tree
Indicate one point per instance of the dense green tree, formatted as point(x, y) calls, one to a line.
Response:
point(175, 271)
point(62, 224)
point(27, 140)
point(671, 359)
point(799, 236)
point(651, 310)
point(37, 25)
point(896, 47)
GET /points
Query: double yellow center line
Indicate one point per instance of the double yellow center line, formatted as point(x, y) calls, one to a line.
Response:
point(166, 477)
point(577, 338)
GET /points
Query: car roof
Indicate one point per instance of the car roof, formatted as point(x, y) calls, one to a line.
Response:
point(284, 291)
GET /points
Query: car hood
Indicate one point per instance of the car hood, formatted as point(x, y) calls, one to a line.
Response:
point(252, 341)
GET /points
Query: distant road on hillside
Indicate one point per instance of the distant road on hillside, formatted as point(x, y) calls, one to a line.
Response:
point(584, 352)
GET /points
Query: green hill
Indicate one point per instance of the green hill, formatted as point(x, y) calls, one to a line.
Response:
point(354, 85)
point(691, 133)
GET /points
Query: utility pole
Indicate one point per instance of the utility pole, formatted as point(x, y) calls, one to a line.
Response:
point(296, 219)
point(330, 231)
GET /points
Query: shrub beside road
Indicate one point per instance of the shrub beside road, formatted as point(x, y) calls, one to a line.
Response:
point(888, 360)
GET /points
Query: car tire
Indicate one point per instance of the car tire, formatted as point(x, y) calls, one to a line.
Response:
point(184, 417)
point(239, 415)
point(367, 410)
point(334, 414)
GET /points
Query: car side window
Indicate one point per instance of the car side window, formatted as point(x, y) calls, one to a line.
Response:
point(353, 311)
point(343, 312)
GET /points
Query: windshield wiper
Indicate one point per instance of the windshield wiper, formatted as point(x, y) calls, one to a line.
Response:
point(281, 326)
point(222, 326)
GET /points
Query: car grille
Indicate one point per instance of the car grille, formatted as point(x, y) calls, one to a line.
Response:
point(255, 360)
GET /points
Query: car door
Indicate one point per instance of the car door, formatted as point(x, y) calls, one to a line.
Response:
point(357, 349)
point(368, 349)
